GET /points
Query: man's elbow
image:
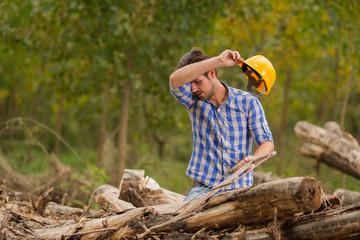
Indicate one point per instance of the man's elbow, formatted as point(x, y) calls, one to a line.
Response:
point(272, 146)
point(174, 82)
point(269, 146)
point(171, 80)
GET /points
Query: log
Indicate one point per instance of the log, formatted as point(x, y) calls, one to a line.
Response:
point(262, 177)
point(312, 150)
point(342, 223)
point(339, 152)
point(347, 197)
point(133, 197)
point(252, 205)
point(147, 188)
point(107, 197)
point(335, 128)
point(289, 196)
point(91, 228)
point(137, 189)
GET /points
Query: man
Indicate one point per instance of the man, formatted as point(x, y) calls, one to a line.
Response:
point(224, 120)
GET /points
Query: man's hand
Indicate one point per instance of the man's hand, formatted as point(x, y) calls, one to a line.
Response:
point(245, 161)
point(230, 58)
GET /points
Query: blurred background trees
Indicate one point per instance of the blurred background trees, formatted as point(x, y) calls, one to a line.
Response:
point(96, 73)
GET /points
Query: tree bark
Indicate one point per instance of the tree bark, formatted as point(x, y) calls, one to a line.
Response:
point(341, 223)
point(103, 125)
point(348, 85)
point(337, 151)
point(347, 197)
point(123, 124)
point(283, 121)
point(336, 83)
point(334, 224)
point(262, 177)
point(59, 120)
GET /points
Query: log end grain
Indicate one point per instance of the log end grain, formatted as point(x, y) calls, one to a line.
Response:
point(310, 194)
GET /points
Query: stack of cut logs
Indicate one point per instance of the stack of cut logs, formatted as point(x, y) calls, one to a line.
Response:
point(274, 208)
point(292, 208)
point(330, 145)
point(334, 147)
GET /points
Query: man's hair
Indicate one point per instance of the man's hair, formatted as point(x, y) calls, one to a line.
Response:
point(195, 55)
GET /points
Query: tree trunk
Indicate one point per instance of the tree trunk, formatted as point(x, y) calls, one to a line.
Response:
point(123, 128)
point(161, 144)
point(262, 177)
point(246, 206)
point(336, 81)
point(346, 98)
point(103, 125)
point(334, 224)
point(337, 151)
point(283, 121)
point(9, 107)
point(124, 119)
point(342, 223)
point(59, 120)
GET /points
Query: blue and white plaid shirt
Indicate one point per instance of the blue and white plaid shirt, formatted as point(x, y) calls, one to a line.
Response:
point(222, 136)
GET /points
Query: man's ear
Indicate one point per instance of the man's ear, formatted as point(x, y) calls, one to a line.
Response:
point(212, 73)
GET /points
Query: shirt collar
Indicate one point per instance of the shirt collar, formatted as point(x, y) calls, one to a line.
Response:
point(231, 94)
point(230, 91)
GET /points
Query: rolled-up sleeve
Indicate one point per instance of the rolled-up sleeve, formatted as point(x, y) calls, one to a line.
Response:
point(258, 124)
point(183, 95)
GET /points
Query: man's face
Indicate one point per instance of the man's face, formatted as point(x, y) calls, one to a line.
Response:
point(203, 87)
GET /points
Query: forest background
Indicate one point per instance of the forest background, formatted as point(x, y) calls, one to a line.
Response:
point(87, 81)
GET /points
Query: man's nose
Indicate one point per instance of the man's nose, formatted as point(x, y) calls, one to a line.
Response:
point(194, 88)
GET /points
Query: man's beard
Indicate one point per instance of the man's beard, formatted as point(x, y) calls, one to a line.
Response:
point(203, 95)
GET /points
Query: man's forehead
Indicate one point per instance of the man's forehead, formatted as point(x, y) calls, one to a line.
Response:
point(198, 78)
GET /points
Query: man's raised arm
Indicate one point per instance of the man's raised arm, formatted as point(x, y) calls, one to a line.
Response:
point(192, 71)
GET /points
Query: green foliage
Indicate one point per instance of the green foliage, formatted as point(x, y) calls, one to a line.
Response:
point(88, 181)
point(58, 56)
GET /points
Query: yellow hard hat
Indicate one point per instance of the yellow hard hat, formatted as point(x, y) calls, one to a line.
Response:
point(260, 73)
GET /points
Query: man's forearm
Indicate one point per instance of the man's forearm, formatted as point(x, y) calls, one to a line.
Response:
point(265, 148)
point(192, 71)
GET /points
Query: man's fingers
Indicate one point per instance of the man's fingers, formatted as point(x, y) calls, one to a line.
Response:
point(237, 55)
point(244, 161)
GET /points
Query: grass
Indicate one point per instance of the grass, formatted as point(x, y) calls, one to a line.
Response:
point(169, 172)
